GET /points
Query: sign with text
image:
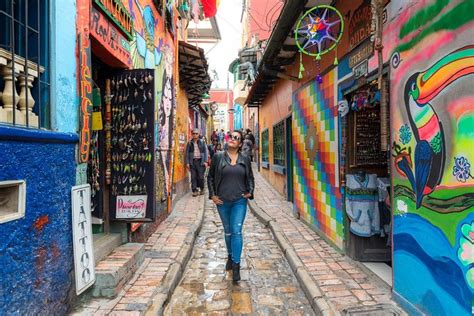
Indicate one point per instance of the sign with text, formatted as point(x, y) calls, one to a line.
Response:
point(360, 24)
point(131, 206)
point(363, 52)
point(361, 69)
point(110, 37)
point(82, 237)
point(117, 13)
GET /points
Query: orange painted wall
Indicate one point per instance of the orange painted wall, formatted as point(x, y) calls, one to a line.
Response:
point(181, 135)
point(276, 107)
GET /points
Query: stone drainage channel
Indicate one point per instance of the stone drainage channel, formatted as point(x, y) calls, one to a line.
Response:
point(268, 285)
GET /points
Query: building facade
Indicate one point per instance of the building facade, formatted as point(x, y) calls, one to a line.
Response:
point(379, 123)
point(38, 124)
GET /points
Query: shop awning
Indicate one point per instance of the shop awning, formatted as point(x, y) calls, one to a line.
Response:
point(281, 50)
point(193, 76)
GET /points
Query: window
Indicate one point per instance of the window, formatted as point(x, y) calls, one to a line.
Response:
point(265, 146)
point(12, 200)
point(24, 63)
point(279, 144)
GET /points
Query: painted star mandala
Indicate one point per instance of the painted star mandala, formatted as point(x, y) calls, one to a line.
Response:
point(319, 30)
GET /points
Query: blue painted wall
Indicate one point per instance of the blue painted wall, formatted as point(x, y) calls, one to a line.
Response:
point(64, 97)
point(36, 256)
point(36, 251)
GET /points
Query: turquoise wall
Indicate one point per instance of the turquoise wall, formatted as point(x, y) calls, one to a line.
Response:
point(64, 97)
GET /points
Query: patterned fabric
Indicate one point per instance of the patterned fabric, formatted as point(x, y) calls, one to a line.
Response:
point(362, 205)
point(316, 192)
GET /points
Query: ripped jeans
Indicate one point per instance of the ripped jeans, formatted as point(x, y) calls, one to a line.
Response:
point(232, 215)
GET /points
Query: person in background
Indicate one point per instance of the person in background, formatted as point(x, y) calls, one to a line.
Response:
point(231, 183)
point(247, 147)
point(214, 136)
point(226, 137)
point(212, 148)
point(221, 135)
point(248, 133)
point(196, 162)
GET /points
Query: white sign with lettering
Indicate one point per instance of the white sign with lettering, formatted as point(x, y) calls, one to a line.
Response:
point(82, 237)
point(131, 206)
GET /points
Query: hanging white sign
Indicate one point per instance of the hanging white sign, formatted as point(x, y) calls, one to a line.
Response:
point(82, 237)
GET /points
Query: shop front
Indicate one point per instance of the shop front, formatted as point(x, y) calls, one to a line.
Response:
point(126, 78)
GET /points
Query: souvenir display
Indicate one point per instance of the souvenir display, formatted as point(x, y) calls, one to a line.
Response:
point(94, 176)
point(318, 32)
point(132, 145)
point(367, 138)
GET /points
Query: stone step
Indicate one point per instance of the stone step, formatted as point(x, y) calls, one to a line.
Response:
point(113, 272)
point(104, 244)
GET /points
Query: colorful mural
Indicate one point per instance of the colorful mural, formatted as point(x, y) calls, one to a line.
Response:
point(147, 40)
point(316, 194)
point(432, 119)
point(166, 117)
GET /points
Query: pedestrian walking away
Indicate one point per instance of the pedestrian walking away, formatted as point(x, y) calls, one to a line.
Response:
point(248, 145)
point(231, 183)
point(196, 162)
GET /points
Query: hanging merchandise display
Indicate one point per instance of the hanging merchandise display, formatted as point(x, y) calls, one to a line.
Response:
point(132, 130)
point(318, 32)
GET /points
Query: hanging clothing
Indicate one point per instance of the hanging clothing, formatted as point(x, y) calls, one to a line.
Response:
point(362, 206)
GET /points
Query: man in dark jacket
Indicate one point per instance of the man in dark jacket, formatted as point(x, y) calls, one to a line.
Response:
point(196, 162)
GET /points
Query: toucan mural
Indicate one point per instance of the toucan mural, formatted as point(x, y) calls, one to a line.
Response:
point(426, 171)
point(432, 132)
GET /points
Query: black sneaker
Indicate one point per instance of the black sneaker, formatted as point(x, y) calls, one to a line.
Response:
point(195, 194)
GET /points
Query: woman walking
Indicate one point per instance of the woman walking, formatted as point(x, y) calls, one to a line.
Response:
point(231, 184)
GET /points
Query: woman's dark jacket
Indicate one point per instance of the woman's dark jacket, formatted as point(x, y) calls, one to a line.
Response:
point(219, 162)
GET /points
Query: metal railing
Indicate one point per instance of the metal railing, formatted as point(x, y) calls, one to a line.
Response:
point(19, 72)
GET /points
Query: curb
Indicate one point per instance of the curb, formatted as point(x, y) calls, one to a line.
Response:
point(176, 269)
point(312, 291)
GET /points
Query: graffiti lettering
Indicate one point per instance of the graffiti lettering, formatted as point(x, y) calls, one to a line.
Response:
point(359, 24)
point(110, 37)
point(86, 97)
point(120, 16)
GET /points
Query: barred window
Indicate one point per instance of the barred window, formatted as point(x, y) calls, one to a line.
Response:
point(265, 146)
point(24, 63)
point(279, 144)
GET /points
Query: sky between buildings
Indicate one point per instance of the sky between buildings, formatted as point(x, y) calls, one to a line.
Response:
point(220, 56)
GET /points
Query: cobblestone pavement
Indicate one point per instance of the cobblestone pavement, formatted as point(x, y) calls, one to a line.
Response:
point(268, 286)
point(164, 253)
point(342, 282)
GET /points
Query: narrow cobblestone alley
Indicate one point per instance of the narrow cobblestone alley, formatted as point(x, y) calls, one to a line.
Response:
point(268, 286)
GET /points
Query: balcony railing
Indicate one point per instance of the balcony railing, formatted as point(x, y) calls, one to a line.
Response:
point(16, 101)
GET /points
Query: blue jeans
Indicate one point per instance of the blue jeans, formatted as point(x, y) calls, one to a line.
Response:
point(232, 215)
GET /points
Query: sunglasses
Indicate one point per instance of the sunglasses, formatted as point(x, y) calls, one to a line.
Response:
point(235, 137)
point(195, 133)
